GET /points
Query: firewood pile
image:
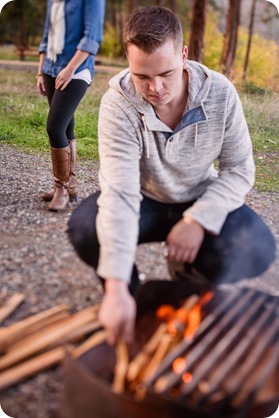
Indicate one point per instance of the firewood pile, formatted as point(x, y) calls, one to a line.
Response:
point(37, 343)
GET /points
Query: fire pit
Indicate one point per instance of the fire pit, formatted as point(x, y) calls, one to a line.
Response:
point(197, 353)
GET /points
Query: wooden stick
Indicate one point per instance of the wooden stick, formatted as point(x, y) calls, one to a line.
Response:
point(45, 361)
point(162, 350)
point(10, 306)
point(82, 331)
point(91, 342)
point(142, 358)
point(27, 326)
point(31, 320)
point(122, 361)
point(49, 337)
point(29, 368)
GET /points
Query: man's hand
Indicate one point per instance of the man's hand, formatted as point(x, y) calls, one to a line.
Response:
point(184, 241)
point(118, 312)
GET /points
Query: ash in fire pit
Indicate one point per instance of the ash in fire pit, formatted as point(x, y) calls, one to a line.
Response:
point(196, 352)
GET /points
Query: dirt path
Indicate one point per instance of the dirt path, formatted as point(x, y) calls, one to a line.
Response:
point(37, 259)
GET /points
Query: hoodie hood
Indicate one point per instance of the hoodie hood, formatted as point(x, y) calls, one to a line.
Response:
point(198, 87)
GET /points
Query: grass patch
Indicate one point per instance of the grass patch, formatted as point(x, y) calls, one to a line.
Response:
point(261, 112)
point(23, 115)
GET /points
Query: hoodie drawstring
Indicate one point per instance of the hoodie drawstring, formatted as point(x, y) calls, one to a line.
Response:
point(196, 135)
point(146, 136)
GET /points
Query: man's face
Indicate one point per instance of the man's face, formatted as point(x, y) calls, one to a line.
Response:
point(158, 77)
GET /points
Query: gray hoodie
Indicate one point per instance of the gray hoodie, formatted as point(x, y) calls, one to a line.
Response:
point(140, 155)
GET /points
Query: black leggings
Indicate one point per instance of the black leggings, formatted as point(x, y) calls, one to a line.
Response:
point(62, 106)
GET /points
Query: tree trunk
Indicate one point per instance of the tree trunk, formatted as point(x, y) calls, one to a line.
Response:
point(131, 4)
point(251, 28)
point(230, 38)
point(173, 6)
point(196, 43)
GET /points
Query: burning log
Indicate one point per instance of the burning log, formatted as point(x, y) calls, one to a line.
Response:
point(170, 378)
point(176, 329)
point(180, 324)
point(142, 358)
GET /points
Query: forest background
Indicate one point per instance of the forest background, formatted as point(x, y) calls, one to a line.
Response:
point(237, 37)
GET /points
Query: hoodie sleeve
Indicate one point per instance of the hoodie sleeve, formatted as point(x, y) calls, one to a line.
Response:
point(119, 202)
point(236, 171)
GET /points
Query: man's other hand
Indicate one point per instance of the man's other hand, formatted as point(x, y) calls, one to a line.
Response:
point(184, 241)
point(118, 312)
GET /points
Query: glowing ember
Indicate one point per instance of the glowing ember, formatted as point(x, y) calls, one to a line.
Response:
point(179, 365)
point(165, 312)
point(187, 378)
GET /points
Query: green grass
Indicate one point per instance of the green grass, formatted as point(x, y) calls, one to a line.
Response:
point(23, 114)
point(261, 112)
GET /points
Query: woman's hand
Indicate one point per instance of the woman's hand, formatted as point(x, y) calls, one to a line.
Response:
point(64, 78)
point(41, 85)
point(118, 312)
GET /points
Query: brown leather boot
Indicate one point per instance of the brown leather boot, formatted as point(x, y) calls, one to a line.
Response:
point(61, 170)
point(72, 187)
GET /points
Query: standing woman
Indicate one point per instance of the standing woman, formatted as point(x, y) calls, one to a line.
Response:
point(71, 39)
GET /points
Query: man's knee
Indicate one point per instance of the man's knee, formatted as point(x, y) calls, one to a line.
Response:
point(82, 230)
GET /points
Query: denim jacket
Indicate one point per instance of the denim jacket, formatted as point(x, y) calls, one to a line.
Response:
point(84, 30)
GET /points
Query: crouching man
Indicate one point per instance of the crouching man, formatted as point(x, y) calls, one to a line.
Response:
point(163, 124)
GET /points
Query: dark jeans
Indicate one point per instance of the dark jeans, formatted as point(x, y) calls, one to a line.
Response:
point(245, 247)
point(62, 106)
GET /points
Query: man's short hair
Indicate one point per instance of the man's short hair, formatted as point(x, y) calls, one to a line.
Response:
point(150, 27)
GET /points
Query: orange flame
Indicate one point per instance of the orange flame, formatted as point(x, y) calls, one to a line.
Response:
point(194, 319)
point(195, 315)
point(165, 312)
point(177, 319)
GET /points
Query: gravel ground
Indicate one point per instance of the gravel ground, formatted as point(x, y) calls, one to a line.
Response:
point(38, 260)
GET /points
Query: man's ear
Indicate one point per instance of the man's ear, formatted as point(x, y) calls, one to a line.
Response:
point(184, 53)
